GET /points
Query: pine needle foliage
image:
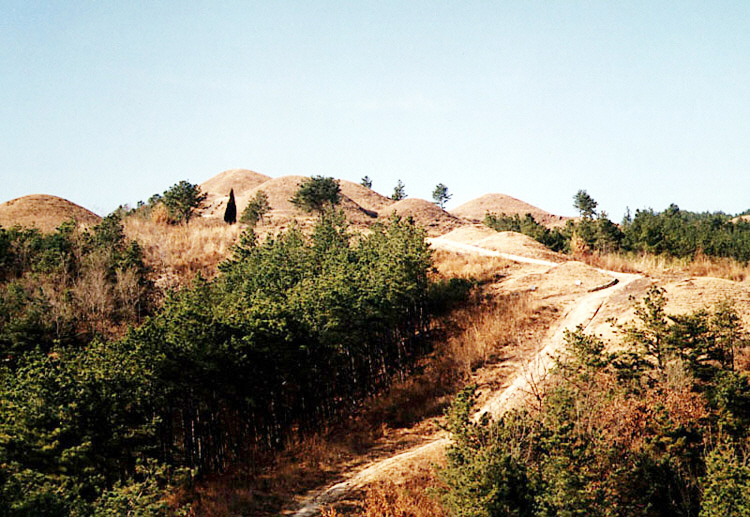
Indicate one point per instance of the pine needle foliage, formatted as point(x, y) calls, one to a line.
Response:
point(399, 191)
point(256, 209)
point(182, 200)
point(440, 195)
point(317, 194)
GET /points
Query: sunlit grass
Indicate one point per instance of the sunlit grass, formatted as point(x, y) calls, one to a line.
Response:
point(178, 252)
point(449, 264)
point(661, 265)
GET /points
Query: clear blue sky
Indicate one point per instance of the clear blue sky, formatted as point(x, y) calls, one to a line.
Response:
point(640, 103)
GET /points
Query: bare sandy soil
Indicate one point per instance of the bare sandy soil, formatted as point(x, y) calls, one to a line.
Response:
point(485, 239)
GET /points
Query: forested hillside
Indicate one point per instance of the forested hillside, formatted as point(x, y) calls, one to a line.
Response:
point(295, 331)
point(672, 232)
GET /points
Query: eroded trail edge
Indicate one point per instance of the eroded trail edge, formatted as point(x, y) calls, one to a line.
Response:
point(581, 313)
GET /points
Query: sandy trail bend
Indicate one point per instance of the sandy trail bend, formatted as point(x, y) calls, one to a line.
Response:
point(581, 313)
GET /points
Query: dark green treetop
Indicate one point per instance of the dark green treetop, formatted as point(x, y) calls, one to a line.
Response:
point(316, 194)
point(256, 209)
point(182, 200)
point(399, 191)
point(585, 204)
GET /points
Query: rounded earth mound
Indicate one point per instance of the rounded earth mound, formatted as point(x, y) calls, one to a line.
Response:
point(428, 215)
point(476, 209)
point(218, 187)
point(44, 212)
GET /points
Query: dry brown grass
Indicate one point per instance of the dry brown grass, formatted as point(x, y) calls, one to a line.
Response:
point(489, 329)
point(481, 332)
point(728, 269)
point(415, 497)
point(485, 326)
point(660, 265)
point(176, 253)
point(482, 269)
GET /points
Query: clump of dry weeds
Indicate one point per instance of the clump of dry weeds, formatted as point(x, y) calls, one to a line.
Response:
point(413, 498)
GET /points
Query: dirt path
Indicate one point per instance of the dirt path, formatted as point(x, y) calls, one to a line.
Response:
point(476, 250)
point(583, 312)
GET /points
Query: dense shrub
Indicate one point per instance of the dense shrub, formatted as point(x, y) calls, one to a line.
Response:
point(553, 239)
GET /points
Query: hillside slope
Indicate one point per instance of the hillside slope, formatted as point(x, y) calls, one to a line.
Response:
point(280, 190)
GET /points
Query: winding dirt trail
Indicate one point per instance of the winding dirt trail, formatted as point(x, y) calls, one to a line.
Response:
point(582, 313)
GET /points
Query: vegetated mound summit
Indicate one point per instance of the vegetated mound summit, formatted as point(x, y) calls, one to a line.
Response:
point(218, 187)
point(433, 218)
point(280, 190)
point(44, 212)
point(476, 209)
point(359, 202)
point(365, 197)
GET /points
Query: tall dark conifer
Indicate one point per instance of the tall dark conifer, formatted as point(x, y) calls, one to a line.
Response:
point(230, 215)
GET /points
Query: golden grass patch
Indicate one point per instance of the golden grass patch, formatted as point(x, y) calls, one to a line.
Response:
point(661, 265)
point(176, 253)
point(450, 264)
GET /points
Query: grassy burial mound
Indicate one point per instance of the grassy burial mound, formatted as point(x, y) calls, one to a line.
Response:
point(365, 197)
point(434, 219)
point(279, 192)
point(44, 212)
point(476, 209)
point(218, 187)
